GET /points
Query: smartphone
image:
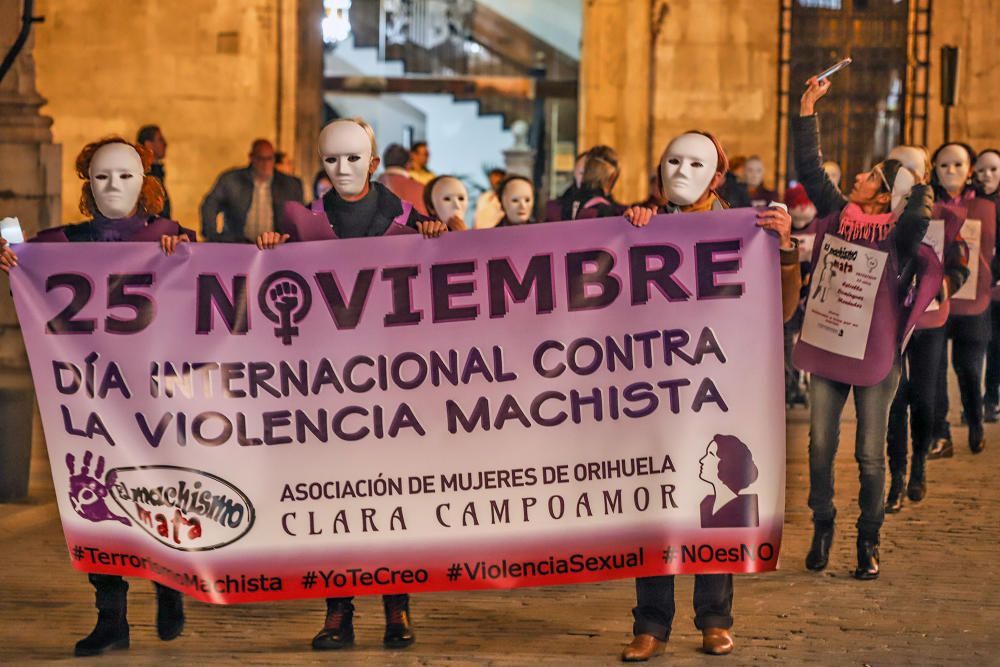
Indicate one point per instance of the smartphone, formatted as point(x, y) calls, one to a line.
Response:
point(830, 71)
point(10, 230)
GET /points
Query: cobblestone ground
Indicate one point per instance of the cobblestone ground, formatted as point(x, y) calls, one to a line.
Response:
point(936, 602)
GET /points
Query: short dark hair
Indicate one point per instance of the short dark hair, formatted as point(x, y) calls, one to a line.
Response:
point(146, 133)
point(395, 156)
point(416, 145)
point(497, 171)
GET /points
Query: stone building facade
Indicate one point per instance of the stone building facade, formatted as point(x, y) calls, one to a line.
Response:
point(213, 75)
point(651, 69)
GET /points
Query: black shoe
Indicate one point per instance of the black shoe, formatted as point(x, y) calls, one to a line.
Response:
point(917, 487)
point(110, 633)
point(169, 613)
point(894, 501)
point(819, 552)
point(941, 449)
point(991, 413)
point(977, 440)
point(867, 557)
point(338, 630)
point(398, 631)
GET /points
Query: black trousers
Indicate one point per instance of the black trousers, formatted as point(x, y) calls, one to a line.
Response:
point(335, 604)
point(967, 358)
point(918, 386)
point(993, 357)
point(110, 591)
point(654, 611)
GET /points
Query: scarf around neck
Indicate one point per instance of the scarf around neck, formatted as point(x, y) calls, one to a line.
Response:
point(119, 229)
point(855, 225)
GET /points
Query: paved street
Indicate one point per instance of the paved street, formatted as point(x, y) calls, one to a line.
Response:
point(936, 602)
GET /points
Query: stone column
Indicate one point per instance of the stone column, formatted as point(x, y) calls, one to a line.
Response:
point(615, 87)
point(29, 190)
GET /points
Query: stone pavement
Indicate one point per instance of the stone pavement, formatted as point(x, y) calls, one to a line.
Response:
point(936, 602)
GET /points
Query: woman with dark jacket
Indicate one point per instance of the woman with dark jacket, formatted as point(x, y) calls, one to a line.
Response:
point(691, 170)
point(862, 219)
point(969, 325)
point(124, 205)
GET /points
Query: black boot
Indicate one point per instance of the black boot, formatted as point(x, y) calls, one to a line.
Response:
point(111, 631)
point(169, 613)
point(338, 630)
point(819, 552)
point(867, 556)
point(917, 487)
point(941, 449)
point(894, 501)
point(991, 413)
point(977, 440)
point(398, 631)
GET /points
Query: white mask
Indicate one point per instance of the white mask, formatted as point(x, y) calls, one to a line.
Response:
point(832, 170)
point(518, 201)
point(913, 158)
point(753, 171)
point(116, 179)
point(952, 167)
point(988, 171)
point(346, 151)
point(450, 198)
point(688, 167)
point(578, 171)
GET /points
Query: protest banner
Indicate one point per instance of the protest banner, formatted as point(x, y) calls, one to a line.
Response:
point(541, 405)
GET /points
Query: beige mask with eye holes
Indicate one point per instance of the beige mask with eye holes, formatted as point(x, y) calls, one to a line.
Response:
point(346, 151)
point(116, 177)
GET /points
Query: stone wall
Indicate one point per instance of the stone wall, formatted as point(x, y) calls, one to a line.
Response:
point(213, 75)
point(713, 67)
point(973, 26)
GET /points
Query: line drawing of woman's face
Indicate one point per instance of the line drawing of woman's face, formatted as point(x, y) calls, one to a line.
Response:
point(709, 470)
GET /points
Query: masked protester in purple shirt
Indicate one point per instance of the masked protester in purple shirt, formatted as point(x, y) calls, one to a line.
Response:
point(124, 204)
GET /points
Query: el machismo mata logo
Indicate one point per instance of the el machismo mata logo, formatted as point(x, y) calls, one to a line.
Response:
point(182, 508)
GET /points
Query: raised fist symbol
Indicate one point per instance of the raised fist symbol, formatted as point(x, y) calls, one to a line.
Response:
point(285, 296)
point(87, 493)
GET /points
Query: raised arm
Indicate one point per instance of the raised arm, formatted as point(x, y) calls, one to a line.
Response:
point(808, 156)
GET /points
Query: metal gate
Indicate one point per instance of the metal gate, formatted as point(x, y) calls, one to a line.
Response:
point(876, 103)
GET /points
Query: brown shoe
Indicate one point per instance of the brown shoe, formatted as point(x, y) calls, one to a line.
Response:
point(716, 641)
point(642, 648)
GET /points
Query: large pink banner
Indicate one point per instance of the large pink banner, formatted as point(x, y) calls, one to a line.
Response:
point(557, 403)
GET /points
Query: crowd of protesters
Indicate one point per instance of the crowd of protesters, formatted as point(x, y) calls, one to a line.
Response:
point(926, 298)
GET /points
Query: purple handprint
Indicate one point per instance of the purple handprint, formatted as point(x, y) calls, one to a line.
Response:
point(87, 494)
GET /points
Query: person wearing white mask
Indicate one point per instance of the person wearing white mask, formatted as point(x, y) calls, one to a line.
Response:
point(987, 184)
point(969, 330)
point(693, 166)
point(356, 207)
point(918, 384)
point(124, 204)
point(446, 199)
point(517, 197)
